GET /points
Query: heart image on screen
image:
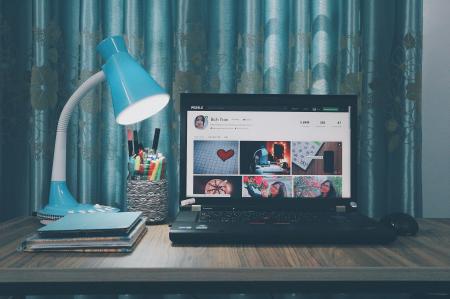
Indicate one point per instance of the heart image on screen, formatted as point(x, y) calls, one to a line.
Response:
point(225, 155)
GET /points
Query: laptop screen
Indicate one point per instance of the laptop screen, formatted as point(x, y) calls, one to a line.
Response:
point(277, 149)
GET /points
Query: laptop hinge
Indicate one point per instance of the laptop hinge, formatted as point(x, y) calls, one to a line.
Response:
point(196, 208)
point(340, 209)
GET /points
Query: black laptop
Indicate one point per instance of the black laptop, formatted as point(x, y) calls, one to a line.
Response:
point(270, 168)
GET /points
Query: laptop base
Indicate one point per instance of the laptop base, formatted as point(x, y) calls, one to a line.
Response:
point(186, 230)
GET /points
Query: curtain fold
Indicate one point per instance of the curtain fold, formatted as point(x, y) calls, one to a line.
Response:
point(221, 67)
point(71, 35)
point(403, 112)
point(372, 141)
point(113, 141)
point(15, 69)
point(249, 47)
point(323, 50)
point(157, 42)
point(132, 31)
point(43, 97)
point(189, 59)
point(371, 48)
point(89, 155)
point(348, 46)
point(300, 47)
point(276, 29)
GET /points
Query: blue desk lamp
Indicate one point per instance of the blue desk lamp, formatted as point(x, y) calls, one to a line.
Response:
point(135, 96)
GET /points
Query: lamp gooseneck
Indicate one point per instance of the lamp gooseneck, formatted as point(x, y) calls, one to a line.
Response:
point(59, 158)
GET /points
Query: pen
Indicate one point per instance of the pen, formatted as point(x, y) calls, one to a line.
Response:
point(130, 142)
point(136, 142)
point(155, 140)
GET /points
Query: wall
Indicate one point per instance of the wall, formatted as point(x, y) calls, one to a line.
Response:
point(436, 108)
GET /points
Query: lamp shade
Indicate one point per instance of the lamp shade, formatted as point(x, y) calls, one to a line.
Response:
point(135, 94)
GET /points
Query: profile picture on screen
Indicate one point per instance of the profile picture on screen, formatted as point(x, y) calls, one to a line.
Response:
point(201, 122)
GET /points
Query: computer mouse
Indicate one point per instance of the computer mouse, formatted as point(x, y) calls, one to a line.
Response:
point(403, 224)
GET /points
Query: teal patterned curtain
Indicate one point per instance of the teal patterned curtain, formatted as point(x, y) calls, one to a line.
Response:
point(47, 48)
point(371, 48)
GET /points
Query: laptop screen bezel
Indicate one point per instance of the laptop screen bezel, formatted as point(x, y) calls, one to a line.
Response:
point(188, 100)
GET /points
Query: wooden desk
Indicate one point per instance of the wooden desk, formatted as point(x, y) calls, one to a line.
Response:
point(412, 264)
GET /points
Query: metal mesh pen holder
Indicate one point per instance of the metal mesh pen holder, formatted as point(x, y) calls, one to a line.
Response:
point(150, 197)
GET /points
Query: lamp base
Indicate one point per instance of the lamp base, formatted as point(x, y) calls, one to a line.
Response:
point(61, 203)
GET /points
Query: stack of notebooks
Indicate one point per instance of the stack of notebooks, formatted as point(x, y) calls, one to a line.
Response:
point(97, 232)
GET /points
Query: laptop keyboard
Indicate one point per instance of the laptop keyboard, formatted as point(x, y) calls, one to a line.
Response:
point(265, 217)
